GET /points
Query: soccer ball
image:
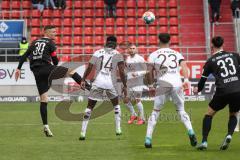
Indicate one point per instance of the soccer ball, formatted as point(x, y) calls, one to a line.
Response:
point(148, 17)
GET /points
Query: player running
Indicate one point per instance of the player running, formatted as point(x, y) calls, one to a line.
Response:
point(106, 61)
point(41, 54)
point(224, 66)
point(166, 63)
point(136, 69)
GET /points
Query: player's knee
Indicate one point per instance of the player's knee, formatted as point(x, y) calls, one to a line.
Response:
point(117, 110)
point(44, 98)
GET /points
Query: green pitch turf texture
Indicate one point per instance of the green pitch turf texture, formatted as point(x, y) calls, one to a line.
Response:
point(21, 136)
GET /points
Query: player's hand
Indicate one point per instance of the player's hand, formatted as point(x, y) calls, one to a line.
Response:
point(17, 74)
point(185, 86)
point(152, 91)
point(195, 90)
point(83, 85)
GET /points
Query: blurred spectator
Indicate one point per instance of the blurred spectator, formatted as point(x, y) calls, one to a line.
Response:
point(39, 4)
point(111, 7)
point(215, 7)
point(51, 2)
point(23, 46)
point(61, 4)
point(235, 6)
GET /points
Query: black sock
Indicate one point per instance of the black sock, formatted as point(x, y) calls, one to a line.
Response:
point(207, 123)
point(43, 112)
point(232, 122)
point(77, 78)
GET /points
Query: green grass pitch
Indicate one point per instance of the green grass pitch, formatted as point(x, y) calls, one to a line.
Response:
point(21, 136)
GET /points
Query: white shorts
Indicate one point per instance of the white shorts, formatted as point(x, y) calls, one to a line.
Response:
point(135, 92)
point(97, 93)
point(176, 94)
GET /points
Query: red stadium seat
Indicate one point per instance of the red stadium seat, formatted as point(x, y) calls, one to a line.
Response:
point(142, 40)
point(65, 58)
point(163, 21)
point(5, 4)
point(88, 31)
point(69, 3)
point(174, 40)
point(36, 13)
point(58, 30)
point(173, 12)
point(99, 31)
point(88, 22)
point(120, 4)
point(77, 40)
point(152, 30)
point(152, 4)
point(67, 31)
point(132, 39)
point(36, 22)
point(15, 15)
point(131, 4)
point(88, 40)
point(47, 13)
point(121, 39)
point(142, 30)
point(162, 3)
point(78, 4)
point(89, 4)
point(35, 32)
point(163, 29)
point(88, 50)
point(109, 22)
point(153, 40)
point(78, 13)
point(142, 50)
point(131, 31)
point(131, 12)
point(66, 50)
point(140, 12)
point(67, 40)
point(99, 22)
point(174, 30)
point(77, 22)
point(26, 4)
point(67, 13)
point(78, 31)
point(173, 21)
point(57, 13)
point(46, 22)
point(33, 38)
point(99, 40)
point(16, 4)
point(78, 49)
point(120, 21)
point(27, 14)
point(88, 13)
point(99, 4)
point(67, 22)
point(162, 12)
point(99, 12)
point(57, 22)
point(58, 40)
point(120, 31)
point(141, 3)
point(109, 30)
point(172, 3)
point(131, 21)
point(120, 12)
point(141, 22)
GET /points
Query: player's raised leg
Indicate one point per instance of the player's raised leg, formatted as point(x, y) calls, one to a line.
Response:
point(117, 113)
point(86, 118)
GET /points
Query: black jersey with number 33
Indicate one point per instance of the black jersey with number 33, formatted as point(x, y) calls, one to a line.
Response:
point(225, 68)
point(40, 52)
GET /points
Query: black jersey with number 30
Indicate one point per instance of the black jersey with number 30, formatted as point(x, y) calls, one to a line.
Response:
point(40, 52)
point(225, 68)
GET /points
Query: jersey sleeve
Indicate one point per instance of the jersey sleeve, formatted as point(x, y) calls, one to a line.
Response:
point(151, 58)
point(23, 58)
point(207, 69)
point(53, 49)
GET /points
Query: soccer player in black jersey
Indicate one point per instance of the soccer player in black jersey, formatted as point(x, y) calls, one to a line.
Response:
point(224, 66)
point(41, 54)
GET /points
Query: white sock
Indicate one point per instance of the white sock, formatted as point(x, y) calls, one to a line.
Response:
point(185, 119)
point(140, 109)
point(46, 126)
point(131, 109)
point(117, 111)
point(152, 121)
point(86, 118)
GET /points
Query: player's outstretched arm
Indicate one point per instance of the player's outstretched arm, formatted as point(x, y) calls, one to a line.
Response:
point(21, 61)
point(121, 67)
point(184, 67)
point(85, 75)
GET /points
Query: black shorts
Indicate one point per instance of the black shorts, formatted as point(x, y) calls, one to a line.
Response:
point(45, 74)
point(219, 102)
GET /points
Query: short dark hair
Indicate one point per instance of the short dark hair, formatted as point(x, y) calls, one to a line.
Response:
point(217, 41)
point(112, 39)
point(48, 27)
point(164, 37)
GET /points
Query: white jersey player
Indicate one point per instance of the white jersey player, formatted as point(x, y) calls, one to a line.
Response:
point(166, 63)
point(106, 61)
point(136, 69)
